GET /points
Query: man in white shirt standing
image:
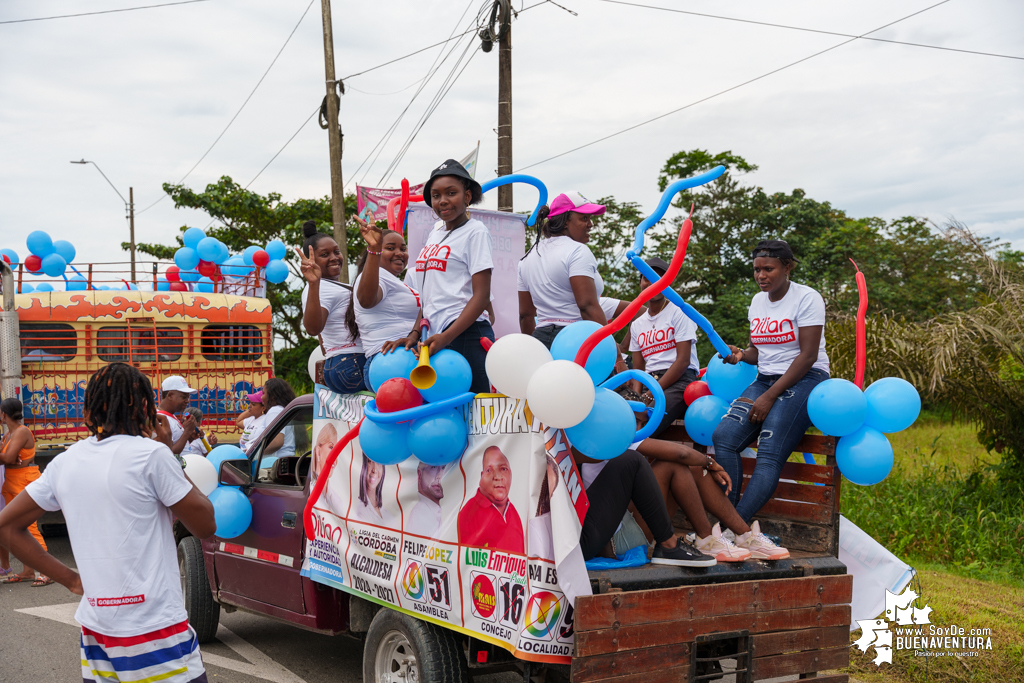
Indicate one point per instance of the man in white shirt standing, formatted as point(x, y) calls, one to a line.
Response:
point(175, 397)
point(425, 519)
point(119, 492)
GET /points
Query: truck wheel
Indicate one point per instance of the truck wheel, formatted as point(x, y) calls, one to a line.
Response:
point(403, 649)
point(203, 612)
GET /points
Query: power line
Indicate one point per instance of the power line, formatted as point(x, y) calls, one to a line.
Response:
point(253, 92)
point(315, 112)
point(808, 30)
point(106, 11)
point(727, 90)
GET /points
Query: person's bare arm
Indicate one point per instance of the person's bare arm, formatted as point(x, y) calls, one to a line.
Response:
point(314, 317)
point(274, 444)
point(670, 451)
point(527, 313)
point(810, 339)
point(19, 439)
point(585, 292)
point(678, 367)
point(240, 420)
point(638, 364)
point(15, 519)
point(187, 434)
point(195, 511)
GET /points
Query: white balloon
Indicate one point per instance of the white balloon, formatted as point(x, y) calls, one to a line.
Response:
point(201, 471)
point(560, 394)
point(513, 360)
point(314, 358)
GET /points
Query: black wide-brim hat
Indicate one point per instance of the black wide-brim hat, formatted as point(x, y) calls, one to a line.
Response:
point(449, 167)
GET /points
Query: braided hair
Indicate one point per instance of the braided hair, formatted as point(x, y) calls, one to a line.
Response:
point(119, 400)
point(548, 228)
point(350, 312)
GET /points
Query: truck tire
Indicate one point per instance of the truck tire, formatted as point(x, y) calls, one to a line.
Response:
point(402, 649)
point(203, 612)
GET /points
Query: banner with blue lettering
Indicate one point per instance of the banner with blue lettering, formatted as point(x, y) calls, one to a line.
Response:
point(487, 545)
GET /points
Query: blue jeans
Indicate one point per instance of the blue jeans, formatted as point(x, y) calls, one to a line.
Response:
point(778, 435)
point(343, 374)
point(468, 344)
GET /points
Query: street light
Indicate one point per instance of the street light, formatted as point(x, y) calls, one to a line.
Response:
point(129, 207)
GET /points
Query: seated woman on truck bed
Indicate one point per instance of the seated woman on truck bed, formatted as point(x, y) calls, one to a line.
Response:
point(787, 343)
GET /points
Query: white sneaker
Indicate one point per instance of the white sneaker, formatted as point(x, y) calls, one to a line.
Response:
point(760, 546)
point(720, 547)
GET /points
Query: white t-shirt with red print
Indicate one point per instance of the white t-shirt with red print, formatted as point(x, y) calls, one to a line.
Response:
point(775, 328)
point(392, 318)
point(545, 273)
point(444, 270)
point(656, 337)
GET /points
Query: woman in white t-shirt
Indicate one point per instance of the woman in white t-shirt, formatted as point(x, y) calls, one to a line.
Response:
point(277, 394)
point(663, 342)
point(321, 267)
point(558, 280)
point(453, 273)
point(787, 343)
point(250, 421)
point(383, 307)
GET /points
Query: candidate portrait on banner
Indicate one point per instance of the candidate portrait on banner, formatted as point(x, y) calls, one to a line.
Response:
point(489, 519)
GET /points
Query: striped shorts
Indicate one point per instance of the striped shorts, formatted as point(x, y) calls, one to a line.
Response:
point(170, 655)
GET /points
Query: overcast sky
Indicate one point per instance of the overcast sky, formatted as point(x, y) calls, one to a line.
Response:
point(877, 129)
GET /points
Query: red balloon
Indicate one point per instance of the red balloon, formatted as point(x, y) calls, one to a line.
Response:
point(260, 258)
point(207, 268)
point(217, 275)
point(178, 286)
point(33, 263)
point(396, 394)
point(172, 275)
point(695, 390)
point(701, 373)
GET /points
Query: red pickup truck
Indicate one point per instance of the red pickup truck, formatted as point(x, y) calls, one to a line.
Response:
point(754, 620)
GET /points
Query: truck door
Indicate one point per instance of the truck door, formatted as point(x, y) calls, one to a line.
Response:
point(262, 565)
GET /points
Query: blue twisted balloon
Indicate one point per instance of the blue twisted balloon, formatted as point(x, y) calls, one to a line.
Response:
point(654, 414)
point(521, 178)
point(374, 415)
point(648, 272)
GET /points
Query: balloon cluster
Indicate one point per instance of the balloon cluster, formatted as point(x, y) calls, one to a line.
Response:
point(231, 508)
point(708, 400)
point(203, 261)
point(427, 422)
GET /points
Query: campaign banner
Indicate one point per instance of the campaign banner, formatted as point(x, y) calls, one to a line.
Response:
point(508, 246)
point(375, 200)
point(487, 545)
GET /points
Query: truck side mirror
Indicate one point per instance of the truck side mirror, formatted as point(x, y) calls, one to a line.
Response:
point(235, 473)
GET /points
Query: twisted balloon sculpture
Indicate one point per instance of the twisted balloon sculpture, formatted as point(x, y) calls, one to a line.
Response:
point(521, 178)
point(862, 342)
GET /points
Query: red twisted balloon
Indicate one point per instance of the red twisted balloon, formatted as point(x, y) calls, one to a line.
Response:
point(652, 291)
point(862, 342)
point(321, 482)
point(397, 222)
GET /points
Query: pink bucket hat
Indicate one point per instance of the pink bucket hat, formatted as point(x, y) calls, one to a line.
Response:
point(574, 201)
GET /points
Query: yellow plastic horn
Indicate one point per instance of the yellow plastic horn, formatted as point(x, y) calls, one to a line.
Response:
point(423, 376)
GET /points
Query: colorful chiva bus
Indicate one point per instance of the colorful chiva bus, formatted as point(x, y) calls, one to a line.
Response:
point(222, 344)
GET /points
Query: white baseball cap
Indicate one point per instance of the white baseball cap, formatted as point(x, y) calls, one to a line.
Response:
point(177, 383)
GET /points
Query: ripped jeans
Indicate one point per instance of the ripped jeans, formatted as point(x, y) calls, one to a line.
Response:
point(778, 435)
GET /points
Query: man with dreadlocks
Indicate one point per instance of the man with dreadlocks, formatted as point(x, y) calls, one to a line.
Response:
point(119, 491)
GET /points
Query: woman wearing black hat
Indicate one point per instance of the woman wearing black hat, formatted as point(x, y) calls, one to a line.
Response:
point(787, 343)
point(453, 273)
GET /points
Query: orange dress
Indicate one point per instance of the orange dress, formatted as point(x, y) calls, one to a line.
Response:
point(17, 478)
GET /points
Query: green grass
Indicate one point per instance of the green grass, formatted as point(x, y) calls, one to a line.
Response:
point(936, 441)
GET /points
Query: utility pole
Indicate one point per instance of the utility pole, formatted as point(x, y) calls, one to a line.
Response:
point(505, 114)
point(131, 225)
point(334, 141)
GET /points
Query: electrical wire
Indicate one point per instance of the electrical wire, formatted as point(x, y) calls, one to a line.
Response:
point(727, 90)
point(106, 11)
point(808, 30)
point(251, 93)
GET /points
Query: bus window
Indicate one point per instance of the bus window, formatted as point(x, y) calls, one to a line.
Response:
point(47, 342)
point(231, 342)
point(112, 344)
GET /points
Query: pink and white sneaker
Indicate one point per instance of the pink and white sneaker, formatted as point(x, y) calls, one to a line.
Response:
point(759, 545)
point(720, 547)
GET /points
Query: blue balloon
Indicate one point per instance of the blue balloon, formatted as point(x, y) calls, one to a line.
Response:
point(568, 342)
point(208, 248)
point(454, 376)
point(865, 457)
point(276, 272)
point(189, 276)
point(12, 257)
point(131, 287)
point(44, 287)
point(162, 285)
point(222, 453)
point(385, 443)
point(893, 404)
point(39, 243)
point(54, 265)
point(439, 439)
point(703, 416)
point(192, 237)
point(837, 407)
point(26, 288)
point(231, 510)
point(276, 249)
point(65, 249)
point(385, 366)
point(186, 258)
point(205, 285)
point(247, 255)
point(77, 283)
point(729, 381)
point(608, 430)
point(235, 267)
point(222, 253)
